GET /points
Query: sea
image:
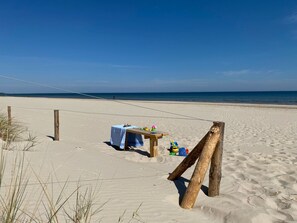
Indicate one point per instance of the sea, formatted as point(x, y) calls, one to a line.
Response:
point(251, 97)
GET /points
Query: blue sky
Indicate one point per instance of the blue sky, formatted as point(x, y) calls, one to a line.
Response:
point(147, 46)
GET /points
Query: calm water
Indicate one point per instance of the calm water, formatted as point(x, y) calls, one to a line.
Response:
point(268, 97)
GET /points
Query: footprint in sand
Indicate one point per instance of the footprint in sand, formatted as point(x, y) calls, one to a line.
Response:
point(256, 201)
point(282, 204)
point(160, 159)
point(271, 192)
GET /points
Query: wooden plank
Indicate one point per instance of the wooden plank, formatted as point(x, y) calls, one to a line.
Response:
point(147, 133)
point(153, 136)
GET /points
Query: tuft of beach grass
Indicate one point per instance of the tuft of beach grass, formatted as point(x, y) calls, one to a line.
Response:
point(12, 132)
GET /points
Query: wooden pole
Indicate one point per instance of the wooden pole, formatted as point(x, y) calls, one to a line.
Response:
point(153, 146)
point(197, 178)
point(215, 171)
point(57, 125)
point(9, 114)
point(189, 160)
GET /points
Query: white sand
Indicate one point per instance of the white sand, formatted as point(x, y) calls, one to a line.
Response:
point(259, 182)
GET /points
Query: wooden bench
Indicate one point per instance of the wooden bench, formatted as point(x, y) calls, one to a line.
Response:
point(153, 136)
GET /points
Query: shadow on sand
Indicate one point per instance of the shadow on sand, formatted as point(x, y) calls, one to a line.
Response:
point(180, 184)
point(51, 137)
point(132, 149)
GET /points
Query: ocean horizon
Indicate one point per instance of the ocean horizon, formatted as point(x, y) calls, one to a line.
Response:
point(249, 97)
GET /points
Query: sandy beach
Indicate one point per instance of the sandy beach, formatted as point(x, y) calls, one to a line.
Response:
point(259, 182)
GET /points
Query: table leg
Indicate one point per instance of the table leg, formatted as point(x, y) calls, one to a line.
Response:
point(153, 146)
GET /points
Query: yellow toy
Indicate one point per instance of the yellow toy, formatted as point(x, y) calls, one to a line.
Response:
point(173, 148)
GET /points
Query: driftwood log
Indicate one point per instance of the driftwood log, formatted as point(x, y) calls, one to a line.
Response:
point(197, 178)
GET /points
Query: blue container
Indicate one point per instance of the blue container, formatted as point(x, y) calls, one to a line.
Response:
point(182, 151)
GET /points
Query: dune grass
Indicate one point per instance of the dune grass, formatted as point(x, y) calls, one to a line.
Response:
point(85, 205)
point(15, 192)
point(50, 206)
point(14, 131)
point(134, 218)
point(79, 205)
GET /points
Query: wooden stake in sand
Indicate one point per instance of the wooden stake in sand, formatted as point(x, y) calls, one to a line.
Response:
point(57, 125)
point(210, 148)
point(9, 115)
point(215, 172)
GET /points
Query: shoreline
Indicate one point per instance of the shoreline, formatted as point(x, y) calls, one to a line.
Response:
point(284, 98)
point(249, 105)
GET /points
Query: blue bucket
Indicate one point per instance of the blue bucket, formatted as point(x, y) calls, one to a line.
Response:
point(182, 151)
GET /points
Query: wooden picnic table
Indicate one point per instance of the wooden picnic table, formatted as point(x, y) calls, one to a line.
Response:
point(153, 136)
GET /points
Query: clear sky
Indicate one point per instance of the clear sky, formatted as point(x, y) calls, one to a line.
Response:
point(148, 45)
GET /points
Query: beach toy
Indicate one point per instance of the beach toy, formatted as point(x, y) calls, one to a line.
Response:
point(173, 145)
point(154, 128)
point(146, 129)
point(175, 150)
point(182, 151)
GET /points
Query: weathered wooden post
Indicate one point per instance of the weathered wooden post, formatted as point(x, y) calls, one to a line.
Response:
point(57, 125)
point(9, 115)
point(197, 178)
point(215, 172)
